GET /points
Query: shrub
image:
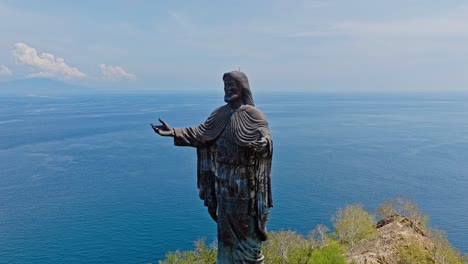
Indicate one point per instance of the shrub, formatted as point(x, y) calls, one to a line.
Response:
point(443, 252)
point(413, 252)
point(353, 224)
point(332, 253)
point(318, 236)
point(201, 255)
point(286, 247)
point(289, 247)
point(402, 206)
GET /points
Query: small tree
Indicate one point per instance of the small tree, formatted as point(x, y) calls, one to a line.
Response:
point(353, 224)
point(201, 255)
point(318, 237)
point(413, 253)
point(402, 206)
point(289, 247)
point(285, 247)
point(386, 210)
point(443, 252)
point(332, 253)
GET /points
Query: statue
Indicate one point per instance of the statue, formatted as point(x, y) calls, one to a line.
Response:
point(234, 151)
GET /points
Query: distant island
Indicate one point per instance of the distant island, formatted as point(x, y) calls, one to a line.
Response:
point(42, 87)
point(401, 236)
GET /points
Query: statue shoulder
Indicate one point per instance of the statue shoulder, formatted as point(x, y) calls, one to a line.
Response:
point(254, 112)
point(222, 110)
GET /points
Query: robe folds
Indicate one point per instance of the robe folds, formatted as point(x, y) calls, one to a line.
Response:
point(233, 179)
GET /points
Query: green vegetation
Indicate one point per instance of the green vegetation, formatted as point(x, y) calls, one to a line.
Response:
point(289, 247)
point(402, 206)
point(444, 253)
point(353, 226)
point(201, 255)
point(413, 253)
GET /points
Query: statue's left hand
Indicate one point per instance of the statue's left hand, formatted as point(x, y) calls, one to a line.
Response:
point(259, 145)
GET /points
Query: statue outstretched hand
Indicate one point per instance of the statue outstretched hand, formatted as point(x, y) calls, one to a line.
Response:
point(165, 130)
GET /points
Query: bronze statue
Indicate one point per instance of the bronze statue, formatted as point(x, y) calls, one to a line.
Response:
point(234, 151)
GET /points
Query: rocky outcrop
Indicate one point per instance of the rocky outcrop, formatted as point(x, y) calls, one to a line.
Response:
point(395, 234)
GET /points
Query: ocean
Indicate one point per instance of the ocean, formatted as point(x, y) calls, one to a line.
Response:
point(84, 179)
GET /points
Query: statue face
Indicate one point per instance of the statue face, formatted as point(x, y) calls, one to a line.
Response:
point(232, 91)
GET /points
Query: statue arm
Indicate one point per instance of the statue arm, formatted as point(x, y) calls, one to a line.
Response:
point(188, 136)
point(254, 120)
point(264, 145)
point(182, 136)
point(263, 177)
point(204, 134)
point(267, 143)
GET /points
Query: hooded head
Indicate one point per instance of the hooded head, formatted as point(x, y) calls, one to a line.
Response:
point(242, 82)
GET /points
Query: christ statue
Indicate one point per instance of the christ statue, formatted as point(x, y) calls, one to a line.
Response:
point(234, 152)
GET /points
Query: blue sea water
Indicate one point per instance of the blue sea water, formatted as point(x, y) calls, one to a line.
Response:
point(84, 179)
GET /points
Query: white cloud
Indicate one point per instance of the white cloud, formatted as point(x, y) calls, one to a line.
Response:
point(5, 71)
point(115, 73)
point(45, 64)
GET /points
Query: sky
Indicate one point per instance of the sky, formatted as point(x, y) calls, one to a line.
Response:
point(323, 46)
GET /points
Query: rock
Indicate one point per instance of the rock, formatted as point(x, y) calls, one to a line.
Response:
point(393, 233)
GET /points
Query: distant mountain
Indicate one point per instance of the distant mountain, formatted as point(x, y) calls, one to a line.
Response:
point(41, 87)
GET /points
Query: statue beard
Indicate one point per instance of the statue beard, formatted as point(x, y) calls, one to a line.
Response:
point(229, 97)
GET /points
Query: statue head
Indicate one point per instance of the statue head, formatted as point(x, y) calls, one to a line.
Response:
point(240, 81)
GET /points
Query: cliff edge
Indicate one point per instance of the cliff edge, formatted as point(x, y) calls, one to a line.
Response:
point(395, 236)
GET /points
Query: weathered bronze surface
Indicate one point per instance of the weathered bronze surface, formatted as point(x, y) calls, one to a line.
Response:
point(234, 151)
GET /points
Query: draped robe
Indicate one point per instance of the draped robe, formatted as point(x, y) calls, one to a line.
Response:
point(233, 179)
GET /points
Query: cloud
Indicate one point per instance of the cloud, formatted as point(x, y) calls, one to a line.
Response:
point(115, 73)
point(45, 64)
point(5, 71)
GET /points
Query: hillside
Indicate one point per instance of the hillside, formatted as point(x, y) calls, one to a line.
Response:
point(395, 236)
point(400, 237)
